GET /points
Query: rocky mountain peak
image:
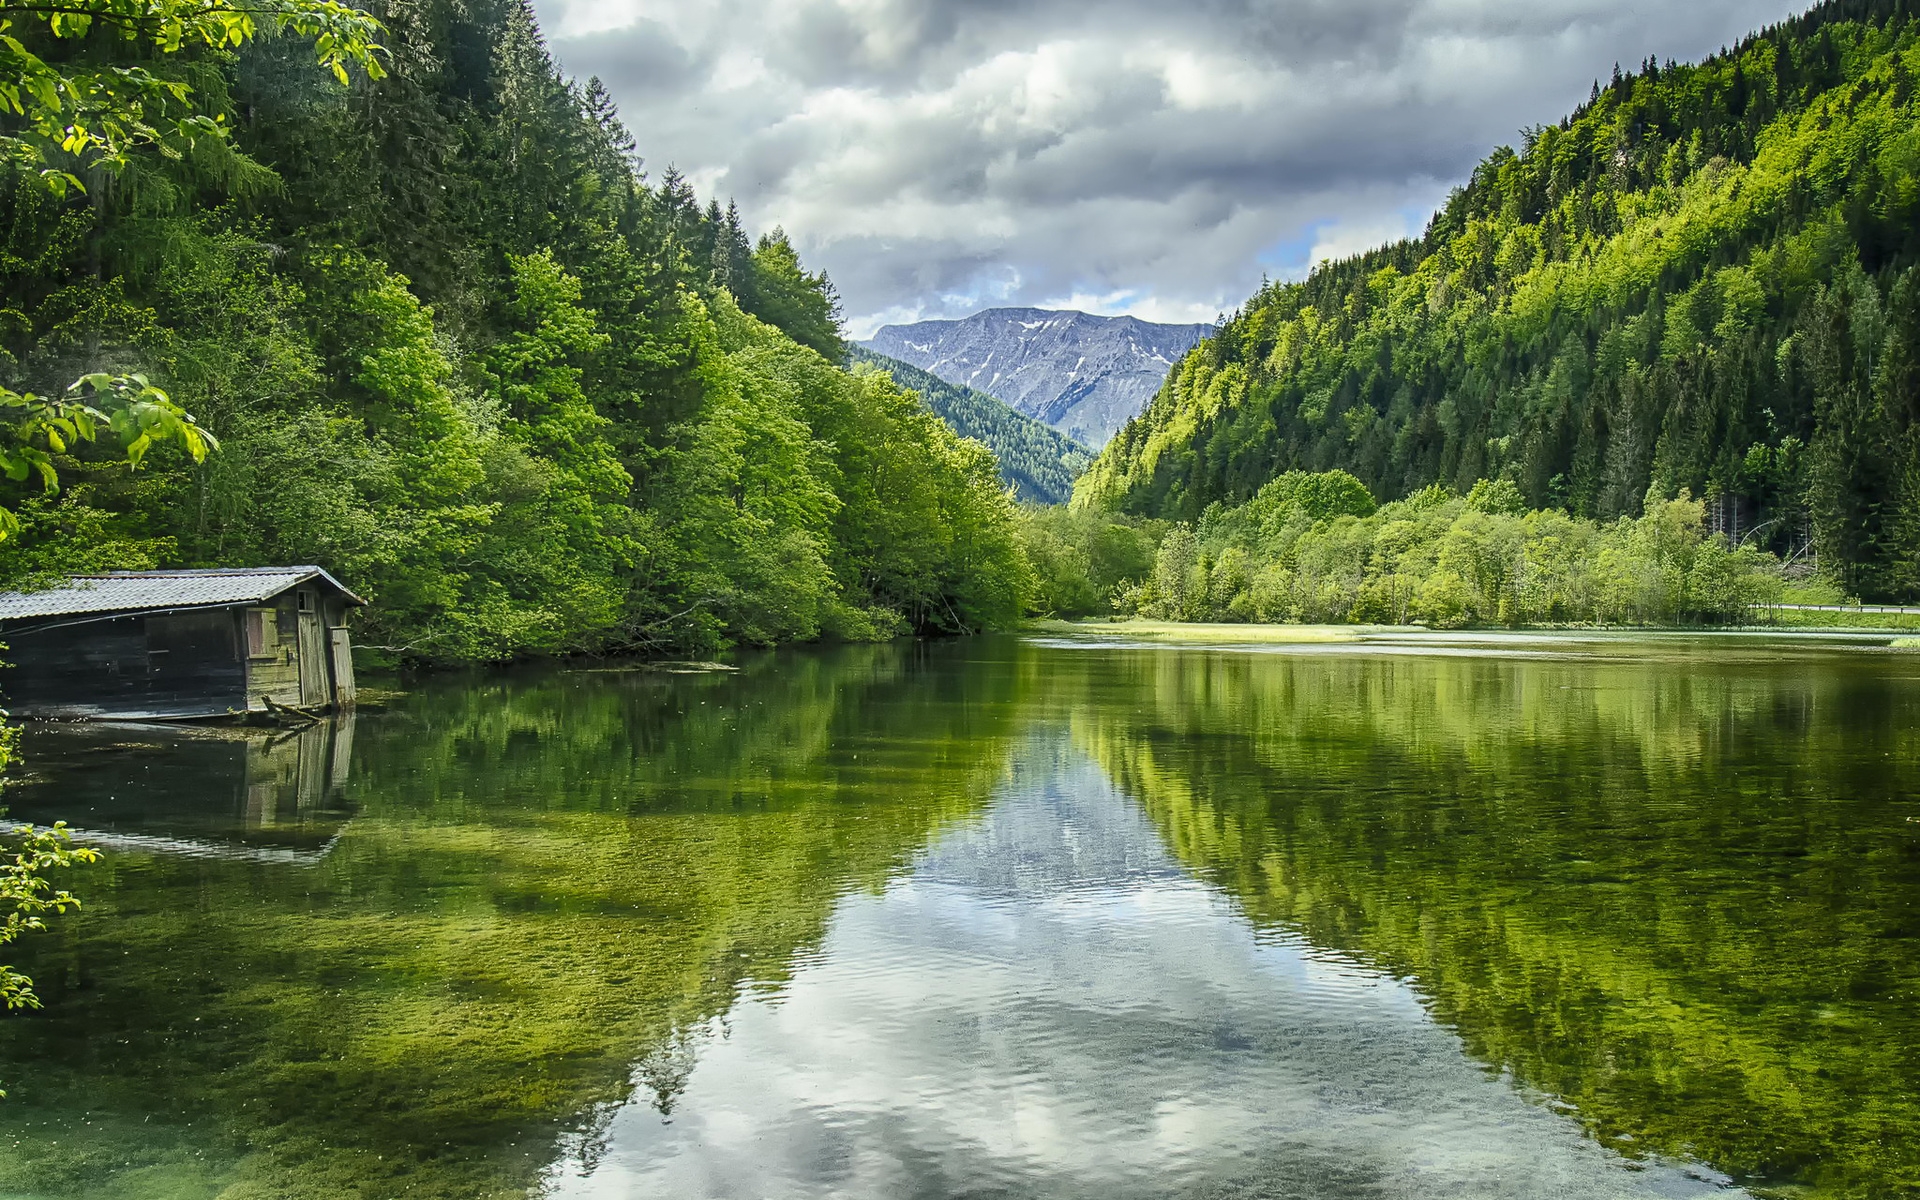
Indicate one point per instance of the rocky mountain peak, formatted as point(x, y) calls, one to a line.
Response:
point(1081, 374)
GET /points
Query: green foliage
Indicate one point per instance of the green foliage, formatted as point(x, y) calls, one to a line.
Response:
point(465, 354)
point(1297, 496)
point(924, 528)
point(783, 293)
point(1314, 549)
point(93, 115)
point(564, 531)
point(1037, 462)
point(136, 412)
point(1082, 560)
point(747, 493)
point(1703, 281)
point(27, 894)
point(801, 501)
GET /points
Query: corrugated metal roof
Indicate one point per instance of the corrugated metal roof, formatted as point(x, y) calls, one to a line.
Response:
point(136, 591)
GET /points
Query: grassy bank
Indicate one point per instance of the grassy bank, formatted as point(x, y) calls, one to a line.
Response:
point(1214, 633)
point(1847, 619)
point(1201, 633)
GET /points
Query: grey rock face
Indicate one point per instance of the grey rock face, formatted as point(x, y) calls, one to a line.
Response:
point(1083, 375)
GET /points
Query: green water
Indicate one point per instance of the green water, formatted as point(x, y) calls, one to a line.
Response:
point(1002, 917)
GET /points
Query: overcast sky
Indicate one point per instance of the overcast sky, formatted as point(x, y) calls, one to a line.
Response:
point(1150, 157)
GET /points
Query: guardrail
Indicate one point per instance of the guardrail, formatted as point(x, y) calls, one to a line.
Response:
point(1895, 609)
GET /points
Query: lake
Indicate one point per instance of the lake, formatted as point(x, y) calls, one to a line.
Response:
point(1472, 916)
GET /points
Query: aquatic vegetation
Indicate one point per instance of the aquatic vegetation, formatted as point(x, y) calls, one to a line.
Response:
point(543, 884)
point(1671, 887)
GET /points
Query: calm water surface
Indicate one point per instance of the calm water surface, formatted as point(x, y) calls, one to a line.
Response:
point(1490, 917)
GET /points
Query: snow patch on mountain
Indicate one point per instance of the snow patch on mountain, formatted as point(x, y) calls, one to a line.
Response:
point(1086, 376)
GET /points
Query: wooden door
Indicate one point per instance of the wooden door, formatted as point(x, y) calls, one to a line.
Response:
point(315, 683)
point(342, 666)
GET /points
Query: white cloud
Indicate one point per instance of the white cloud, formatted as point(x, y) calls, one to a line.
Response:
point(1048, 1005)
point(937, 156)
point(1346, 236)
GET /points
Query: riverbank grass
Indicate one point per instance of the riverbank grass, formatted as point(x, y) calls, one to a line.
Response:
point(1828, 619)
point(1199, 633)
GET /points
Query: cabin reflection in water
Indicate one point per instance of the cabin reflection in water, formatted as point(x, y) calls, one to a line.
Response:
point(206, 791)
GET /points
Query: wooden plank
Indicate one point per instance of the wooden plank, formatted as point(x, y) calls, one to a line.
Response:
point(342, 666)
point(273, 676)
point(314, 684)
point(342, 764)
point(278, 680)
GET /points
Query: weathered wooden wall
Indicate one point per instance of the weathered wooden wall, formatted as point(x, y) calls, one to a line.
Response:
point(316, 668)
point(171, 665)
point(275, 672)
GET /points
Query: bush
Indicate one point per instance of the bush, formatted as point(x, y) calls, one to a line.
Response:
point(1316, 548)
point(1082, 560)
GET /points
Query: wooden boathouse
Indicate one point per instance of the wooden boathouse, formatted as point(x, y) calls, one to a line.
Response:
point(161, 645)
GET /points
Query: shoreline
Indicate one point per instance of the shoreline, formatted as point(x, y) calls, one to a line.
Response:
point(1251, 634)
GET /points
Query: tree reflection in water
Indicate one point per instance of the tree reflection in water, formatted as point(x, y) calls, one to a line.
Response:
point(1669, 887)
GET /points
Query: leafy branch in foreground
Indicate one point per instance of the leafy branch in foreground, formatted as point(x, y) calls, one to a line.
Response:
point(32, 430)
point(138, 413)
point(28, 896)
point(96, 116)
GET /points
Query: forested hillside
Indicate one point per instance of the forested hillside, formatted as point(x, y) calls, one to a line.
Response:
point(1082, 374)
point(1707, 280)
point(460, 349)
point(1038, 463)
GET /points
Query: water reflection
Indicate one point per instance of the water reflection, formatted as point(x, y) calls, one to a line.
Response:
point(1050, 1006)
point(546, 877)
point(997, 918)
point(1673, 884)
point(198, 790)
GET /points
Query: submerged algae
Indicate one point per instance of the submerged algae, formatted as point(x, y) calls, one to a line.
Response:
point(1669, 886)
point(1679, 894)
point(542, 883)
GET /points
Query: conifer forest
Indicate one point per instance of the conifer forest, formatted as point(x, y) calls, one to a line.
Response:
point(459, 345)
point(415, 308)
point(1703, 287)
point(508, 693)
